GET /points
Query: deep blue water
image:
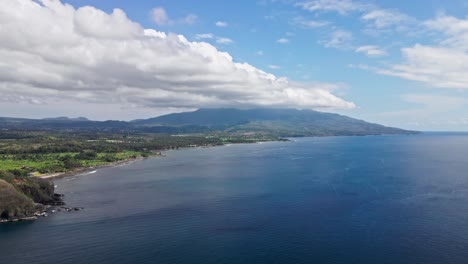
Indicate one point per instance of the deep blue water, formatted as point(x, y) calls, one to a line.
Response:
point(377, 199)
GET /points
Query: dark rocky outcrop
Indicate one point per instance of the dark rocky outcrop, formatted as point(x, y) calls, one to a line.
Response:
point(23, 198)
point(39, 190)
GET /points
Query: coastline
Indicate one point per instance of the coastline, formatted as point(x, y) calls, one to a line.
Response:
point(46, 210)
point(89, 170)
point(84, 170)
point(58, 205)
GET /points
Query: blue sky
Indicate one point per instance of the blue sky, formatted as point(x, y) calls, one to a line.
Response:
point(399, 63)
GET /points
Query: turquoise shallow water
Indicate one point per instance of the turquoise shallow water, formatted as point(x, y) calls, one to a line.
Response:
point(379, 199)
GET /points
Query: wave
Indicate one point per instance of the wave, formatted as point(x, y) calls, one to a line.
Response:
point(87, 173)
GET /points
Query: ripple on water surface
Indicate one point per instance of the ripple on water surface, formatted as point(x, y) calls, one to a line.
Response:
point(388, 199)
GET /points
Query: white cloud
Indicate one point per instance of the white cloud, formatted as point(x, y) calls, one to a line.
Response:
point(204, 36)
point(274, 67)
point(435, 66)
point(128, 65)
point(160, 17)
point(339, 39)
point(371, 51)
point(301, 21)
point(456, 30)
point(384, 18)
point(224, 41)
point(86, 17)
point(220, 40)
point(190, 19)
point(444, 65)
point(342, 7)
point(377, 19)
point(283, 40)
point(221, 24)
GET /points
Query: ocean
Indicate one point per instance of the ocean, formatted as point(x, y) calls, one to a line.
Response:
point(373, 199)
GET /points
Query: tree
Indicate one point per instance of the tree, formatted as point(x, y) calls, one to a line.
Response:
point(69, 162)
point(86, 155)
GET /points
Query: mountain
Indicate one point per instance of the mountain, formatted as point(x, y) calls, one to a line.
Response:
point(63, 124)
point(64, 118)
point(265, 121)
point(280, 122)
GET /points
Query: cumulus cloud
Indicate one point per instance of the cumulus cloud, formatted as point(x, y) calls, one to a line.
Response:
point(130, 65)
point(371, 51)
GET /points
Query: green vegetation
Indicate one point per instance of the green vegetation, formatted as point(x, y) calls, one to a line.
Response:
point(18, 195)
point(273, 122)
point(26, 152)
point(36, 147)
point(62, 144)
point(43, 152)
point(13, 203)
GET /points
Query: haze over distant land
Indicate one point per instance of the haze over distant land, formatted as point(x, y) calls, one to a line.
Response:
point(272, 123)
point(398, 63)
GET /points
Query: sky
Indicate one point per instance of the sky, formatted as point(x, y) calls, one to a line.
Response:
point(395, 62)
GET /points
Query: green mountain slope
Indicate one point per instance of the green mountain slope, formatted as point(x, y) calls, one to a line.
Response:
point(280, 122)
point(266, 121)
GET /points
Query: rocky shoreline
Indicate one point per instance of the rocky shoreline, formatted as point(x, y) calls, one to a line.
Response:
point(28, 198)
point(56, 202)
point(43, 210)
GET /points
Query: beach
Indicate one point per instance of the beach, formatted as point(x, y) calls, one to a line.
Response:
point(91, 169)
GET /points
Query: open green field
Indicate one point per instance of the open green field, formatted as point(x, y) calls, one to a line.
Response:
point(57, 162)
